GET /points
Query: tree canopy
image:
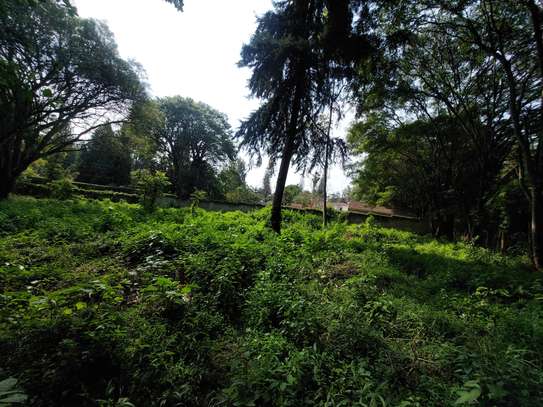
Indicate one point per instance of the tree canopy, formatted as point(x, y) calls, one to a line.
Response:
point(105, 159)
point(195, 141)
point(61, 77)
point(293, 69)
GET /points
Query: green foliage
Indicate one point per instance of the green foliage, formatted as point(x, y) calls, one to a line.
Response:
point(244, 194)
point(234, 186)
point(62, 188)
point(10, 394)
point(195, 198)
point(291, 192)
point(191, 141)
point(105, 158)
point(82, 79)
point(151, 185)
point(102, 303)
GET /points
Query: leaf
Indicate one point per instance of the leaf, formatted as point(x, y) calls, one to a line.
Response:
point(13, 398)
point(80, 305)
point(468, 396)
point(9, 393)
point(47, 93)
point(7, 385)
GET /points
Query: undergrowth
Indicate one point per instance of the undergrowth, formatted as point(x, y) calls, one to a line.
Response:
point(103, 304)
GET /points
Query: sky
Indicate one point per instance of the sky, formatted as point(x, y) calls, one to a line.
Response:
point(194, 53)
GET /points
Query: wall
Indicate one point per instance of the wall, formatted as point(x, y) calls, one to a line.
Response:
point(408, 224)
point(418, 226)
point(39, 189)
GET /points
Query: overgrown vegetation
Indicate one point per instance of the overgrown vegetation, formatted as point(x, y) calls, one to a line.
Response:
point(105, 304)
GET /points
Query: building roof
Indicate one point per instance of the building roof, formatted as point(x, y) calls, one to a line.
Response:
point(367, 209)
point(358, 207)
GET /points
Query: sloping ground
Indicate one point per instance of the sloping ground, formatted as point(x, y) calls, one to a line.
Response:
point(102, 304)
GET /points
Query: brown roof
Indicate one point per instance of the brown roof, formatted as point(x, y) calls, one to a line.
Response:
point(295, 206)
point(361, 207)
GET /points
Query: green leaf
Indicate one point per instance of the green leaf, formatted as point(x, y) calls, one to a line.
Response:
point(468, 396)
point(9, 394)
point(13, 398)
point(7, 385)
point(80, 305)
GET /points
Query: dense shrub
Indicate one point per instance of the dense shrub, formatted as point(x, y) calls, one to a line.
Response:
point(103, 303)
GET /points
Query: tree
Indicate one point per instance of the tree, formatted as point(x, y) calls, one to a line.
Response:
point(327, 149)
point(266, 182)
point(234, 185)
point(291, 192)
point(511, 34)
point(151, 186)
point(61, 77)
point(279, 55)
point(195, 139)
point(233, 176)
point(506, 35)
point(105, 159)
point(427, 166)
point(297, 51)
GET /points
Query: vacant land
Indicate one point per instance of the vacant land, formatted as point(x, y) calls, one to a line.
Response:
point(103, 304)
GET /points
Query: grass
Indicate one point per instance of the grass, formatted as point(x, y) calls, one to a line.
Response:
point(103, 304)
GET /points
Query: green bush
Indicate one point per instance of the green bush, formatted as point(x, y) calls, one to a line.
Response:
point(62, 188)
point(151, 186)
point(103, 303)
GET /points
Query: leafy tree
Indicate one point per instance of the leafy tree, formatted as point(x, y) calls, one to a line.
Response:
point(105, 159)
point(233, 176)
point(304, 198)
point(196, 141)
point(266, 182)
point(291, 192)
point(511, 35)
point(60, 76)
point(234, 185)
point(427, 166)
point(244, 194)
point(493, 55)
point(196, 198)
point(57, 166)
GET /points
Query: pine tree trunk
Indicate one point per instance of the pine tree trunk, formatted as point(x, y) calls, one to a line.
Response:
point(326, 159)
point(288, 151)
point(324, 188)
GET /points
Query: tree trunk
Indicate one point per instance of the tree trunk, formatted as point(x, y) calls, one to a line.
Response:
point(324, 186)
point(326, 158)
point(7, 183)
point(536, 193)
point(536, 228)
point(288, 151)
point(8, 174)
point(289, 147)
